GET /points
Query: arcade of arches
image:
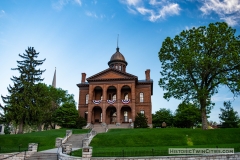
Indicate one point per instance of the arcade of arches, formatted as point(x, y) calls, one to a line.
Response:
point(114, 96)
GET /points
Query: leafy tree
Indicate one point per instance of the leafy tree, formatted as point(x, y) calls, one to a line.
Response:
point(140, 121)
point(229, 117)
point(163, 115)
point(187, 115)
point(20, 103)
point(197, 62)
point(58, 97)
point(66, 115)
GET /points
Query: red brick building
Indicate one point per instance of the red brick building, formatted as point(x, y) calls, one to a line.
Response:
point(114, 96)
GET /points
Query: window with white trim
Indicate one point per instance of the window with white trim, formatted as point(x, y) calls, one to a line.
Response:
point(141, 97)
point(87, 97)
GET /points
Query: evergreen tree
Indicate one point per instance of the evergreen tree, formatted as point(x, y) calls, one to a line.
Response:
point(140, 121)
point(21, 102)
point(66, 116)
point(229, 117)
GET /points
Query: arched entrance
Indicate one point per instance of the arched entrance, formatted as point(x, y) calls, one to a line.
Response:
point(97, 114)
point(126, 114)
point(111, 115)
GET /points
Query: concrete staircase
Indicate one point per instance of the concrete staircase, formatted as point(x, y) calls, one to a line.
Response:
point(76, 140)
point(42, 156)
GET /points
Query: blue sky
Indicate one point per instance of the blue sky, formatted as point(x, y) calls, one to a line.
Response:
point(78, 36)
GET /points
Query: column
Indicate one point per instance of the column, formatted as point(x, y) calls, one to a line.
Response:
point(133, 101)
point(118, 105)
point(104, 101)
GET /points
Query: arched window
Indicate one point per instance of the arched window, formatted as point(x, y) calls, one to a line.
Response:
point(126, 96)
point(114, 97)
point(141, 97)
point(87, 97)
point(120, 68)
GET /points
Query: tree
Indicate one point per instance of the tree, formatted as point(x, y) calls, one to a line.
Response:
point(163, 115)
point(66, 116)
point(81, 122)
point(197, 62)
point(20, 104)
point(187, 115)
point(229, 117)
point(140, 121)
point(58, 97)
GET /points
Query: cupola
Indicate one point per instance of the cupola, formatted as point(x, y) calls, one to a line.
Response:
point(118, 61)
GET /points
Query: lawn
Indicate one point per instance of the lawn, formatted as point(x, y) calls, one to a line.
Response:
point(45, 139)
point(130, 142)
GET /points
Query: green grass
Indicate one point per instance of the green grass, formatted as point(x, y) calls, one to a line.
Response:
point(46, 140)
point(77, 153)
point(152, 141)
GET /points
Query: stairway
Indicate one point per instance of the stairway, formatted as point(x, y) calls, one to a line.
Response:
point(42, 156)
point(76, 140)
point(99, 128)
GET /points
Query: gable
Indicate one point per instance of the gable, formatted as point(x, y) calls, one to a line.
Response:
point(111, 74)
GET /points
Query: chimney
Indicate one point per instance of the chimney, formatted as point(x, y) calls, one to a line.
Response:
point(147, 73)
point(83, 77)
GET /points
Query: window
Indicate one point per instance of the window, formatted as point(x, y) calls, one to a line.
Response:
point(126, 96)
point(142, 112)
point(116, 67)
point(87, 96)
point(114, 97)
point(120, 68)
point(141, 97)
point(125, 116)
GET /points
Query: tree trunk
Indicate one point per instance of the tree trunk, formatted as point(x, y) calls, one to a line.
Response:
point(20, 130)
point(39, 127)
point(204, 114)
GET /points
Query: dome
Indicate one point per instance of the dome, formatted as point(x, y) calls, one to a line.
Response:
point(117, 56)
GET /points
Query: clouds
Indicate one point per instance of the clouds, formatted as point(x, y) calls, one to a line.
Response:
point(227, 10)
point(2, 13)
point(61, 3)
point(154, 9)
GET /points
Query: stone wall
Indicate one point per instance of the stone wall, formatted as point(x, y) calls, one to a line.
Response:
point(235, 156)
point(32, 148)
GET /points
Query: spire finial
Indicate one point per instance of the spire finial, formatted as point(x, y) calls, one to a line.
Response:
point(117, 43)
point(117, 40)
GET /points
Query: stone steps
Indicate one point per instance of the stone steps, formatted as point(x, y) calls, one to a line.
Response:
point(76, 140)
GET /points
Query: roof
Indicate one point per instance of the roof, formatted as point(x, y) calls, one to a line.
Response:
point(111, 74)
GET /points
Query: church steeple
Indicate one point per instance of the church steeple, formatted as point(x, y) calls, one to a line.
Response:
point(54, 79)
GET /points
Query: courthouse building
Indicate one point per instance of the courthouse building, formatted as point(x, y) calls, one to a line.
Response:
point(114, 96)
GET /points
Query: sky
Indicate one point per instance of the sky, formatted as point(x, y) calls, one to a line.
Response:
point(77, 36)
